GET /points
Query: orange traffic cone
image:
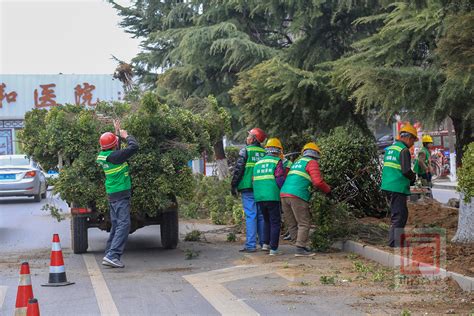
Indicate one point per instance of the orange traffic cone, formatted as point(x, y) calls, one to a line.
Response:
point(25, 290)
point(33, 308)
point(57, 272)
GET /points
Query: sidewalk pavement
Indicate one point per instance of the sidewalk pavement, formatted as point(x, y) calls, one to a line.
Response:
point(444, 189)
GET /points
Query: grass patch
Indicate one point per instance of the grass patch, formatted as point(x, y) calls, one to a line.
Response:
point(194, 235)
point(327, 280)
point(231, 237)
point(190, 254)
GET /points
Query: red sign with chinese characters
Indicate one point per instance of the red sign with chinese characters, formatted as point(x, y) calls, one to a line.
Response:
point(7, 96)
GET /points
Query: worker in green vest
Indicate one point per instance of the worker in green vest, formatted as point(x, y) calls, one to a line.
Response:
point(242, 182)
point(296, 193)
point(422, 166)
point(268, 178)
point(118, 188)
point(397, 177)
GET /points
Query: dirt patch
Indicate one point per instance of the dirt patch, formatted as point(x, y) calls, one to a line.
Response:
point(426, 213)
point(367, 286)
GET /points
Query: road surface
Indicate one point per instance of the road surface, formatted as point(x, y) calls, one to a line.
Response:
point(157, 281)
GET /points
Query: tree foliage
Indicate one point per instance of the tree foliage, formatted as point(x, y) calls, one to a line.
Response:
point(466, 174)
point(202, 46)
point(168, 139)
point(420, 61)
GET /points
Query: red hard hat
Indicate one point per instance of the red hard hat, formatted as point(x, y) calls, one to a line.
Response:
point(108, 140)
point(258, 133)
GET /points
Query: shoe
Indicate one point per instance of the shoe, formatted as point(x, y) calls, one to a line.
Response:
point(114, 263)
point(275, 252)
point(287, 236)
point(265, 247)
point(303, 252)
point(248, 250)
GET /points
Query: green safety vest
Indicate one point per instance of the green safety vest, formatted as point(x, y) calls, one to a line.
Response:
point(392, 178)
point(416, 166)
point(116, 176)
point(287, 163)
point(264, 184)
point(298, 182)
point(254, 154)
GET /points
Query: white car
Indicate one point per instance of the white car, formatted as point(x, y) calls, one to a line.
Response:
point(21, 176)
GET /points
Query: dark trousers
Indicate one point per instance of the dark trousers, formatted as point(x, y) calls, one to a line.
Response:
point(272, 222)
point(399, 217)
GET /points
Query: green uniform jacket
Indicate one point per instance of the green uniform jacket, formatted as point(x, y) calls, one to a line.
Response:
point(254, 154)
point(116, 176)
point(265, 187)
point(298, 182)
point(393, 179)
point(416, 167)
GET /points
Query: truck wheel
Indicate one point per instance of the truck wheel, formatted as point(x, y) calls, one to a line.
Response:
point(79, 240)
point(169, 229)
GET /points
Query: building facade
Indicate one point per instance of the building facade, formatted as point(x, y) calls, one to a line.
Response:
point(22, 93)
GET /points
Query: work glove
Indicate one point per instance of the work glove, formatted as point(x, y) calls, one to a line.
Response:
point(234, 191)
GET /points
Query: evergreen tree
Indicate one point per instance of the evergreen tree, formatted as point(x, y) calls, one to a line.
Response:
point(421, 60)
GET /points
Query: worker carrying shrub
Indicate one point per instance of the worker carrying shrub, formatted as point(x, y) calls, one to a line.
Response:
point(242, 182)
point(118, 187)
point(268, 177)
point(296, 193)
point(397, 177)
point(422, 166)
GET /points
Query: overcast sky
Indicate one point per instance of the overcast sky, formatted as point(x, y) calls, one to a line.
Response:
point(68, 36)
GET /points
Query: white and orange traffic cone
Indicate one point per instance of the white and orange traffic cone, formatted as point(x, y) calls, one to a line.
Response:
point(57, 272)
point(33, 308)
point(25, 290)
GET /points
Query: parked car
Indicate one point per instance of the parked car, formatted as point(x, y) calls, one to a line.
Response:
point(21, 176)
point(384, 141)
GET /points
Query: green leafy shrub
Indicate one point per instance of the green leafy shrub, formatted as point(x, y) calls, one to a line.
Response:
point(466, 173)
point(168, 139)
point(332, 220)
point(350, 165)
point(211, 198)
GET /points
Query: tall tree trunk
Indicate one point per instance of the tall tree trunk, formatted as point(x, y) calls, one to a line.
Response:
point(464, 130)
point(465, 232)
point(221, 160)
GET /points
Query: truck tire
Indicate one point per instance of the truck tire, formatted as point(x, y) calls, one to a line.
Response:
point(79, 238)
point(169, 229)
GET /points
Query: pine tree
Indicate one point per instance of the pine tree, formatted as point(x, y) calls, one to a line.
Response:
point(421, 60)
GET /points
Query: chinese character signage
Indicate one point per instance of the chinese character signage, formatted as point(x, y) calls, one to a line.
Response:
point(22, 93)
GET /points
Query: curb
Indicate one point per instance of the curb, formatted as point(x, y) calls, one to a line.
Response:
point(393, 261)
